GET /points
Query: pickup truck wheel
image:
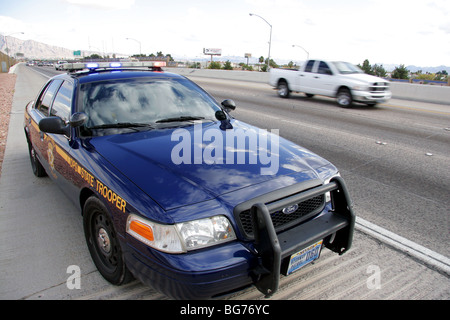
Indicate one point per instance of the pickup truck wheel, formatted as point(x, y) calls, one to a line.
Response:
point(283, 89)
point(36, 166)
point(103, 243)
point(344, 97)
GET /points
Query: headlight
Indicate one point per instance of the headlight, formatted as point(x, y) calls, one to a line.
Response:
point(361, 88)
point(159, 236)
point(205, 232)
point(181, 237)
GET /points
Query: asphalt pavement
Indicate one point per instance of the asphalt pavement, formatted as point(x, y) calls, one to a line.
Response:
point(42, 244)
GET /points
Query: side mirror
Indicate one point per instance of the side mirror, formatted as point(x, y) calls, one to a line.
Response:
point(58, 126)
point(228, 105)
point(54, 125)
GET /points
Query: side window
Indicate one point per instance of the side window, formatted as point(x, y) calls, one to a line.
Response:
point(309, 65)
point(46, 100)
point(63, 102)
point(324, 68)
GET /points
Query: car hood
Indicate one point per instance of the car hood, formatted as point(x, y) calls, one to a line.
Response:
point(364, 78)
point(159, 163)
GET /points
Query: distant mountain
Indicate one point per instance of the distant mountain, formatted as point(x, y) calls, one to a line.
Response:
point(34, 50)
point(428, 69)
point(31, 49)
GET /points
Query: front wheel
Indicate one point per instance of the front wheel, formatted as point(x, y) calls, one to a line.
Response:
point(103, 243)
point(344, 98)
point(283, 89)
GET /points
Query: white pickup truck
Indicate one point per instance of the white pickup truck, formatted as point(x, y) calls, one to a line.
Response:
point(341, 80)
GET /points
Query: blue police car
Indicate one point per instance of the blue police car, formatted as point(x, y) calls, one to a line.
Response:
point(176, 192)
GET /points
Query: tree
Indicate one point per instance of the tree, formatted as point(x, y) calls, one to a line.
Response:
point(272, 63)
point(366, 67)
point(93, 56)
point(379, 71)
point(214, 65)
point(228, 66)
point(400, 72)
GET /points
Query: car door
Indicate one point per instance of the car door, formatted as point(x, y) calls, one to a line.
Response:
point(307, 77)
point(39, 111)
point(59, 146)
point(323, 79)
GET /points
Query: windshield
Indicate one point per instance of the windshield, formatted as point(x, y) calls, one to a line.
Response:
point(134, 102)
point(346, 67)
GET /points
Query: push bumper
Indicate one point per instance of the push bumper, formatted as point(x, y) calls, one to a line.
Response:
point(335, 227)
point(217, 270)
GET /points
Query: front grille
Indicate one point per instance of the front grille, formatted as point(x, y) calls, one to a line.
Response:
point(280, 220)
point(379, 86)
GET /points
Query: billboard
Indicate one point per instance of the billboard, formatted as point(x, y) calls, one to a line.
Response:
point(212, 51)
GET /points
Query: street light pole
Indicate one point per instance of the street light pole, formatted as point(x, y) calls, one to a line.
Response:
point(307, 53)
point(140, 48)
point(270, 38)
point(7, 49)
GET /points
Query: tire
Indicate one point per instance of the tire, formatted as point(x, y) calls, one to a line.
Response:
point(283, 89)
point(36, 166)
point(309, 95)
point(344, 98)
point(103, 243)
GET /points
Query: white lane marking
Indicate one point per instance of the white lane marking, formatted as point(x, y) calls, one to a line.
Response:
point(421, 253)
point(42, 74)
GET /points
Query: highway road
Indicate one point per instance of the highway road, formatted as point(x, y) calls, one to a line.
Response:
point(394, 157)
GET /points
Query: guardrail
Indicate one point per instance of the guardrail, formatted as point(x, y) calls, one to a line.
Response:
point(405, 91)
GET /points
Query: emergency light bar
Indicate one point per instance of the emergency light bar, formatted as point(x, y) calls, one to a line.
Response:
point(92, 66)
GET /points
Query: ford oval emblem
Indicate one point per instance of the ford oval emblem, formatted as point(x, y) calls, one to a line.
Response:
point(290, 209)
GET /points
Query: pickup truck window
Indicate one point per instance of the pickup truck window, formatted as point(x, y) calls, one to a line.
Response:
point(309, 65)
point(324, 68)
point(346, 68)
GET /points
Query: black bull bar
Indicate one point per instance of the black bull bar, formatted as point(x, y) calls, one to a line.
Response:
point(334, 227)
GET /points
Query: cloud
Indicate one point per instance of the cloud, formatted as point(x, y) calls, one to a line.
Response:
point(104, 4)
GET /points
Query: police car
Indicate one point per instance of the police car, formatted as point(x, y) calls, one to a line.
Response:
point(176, 192)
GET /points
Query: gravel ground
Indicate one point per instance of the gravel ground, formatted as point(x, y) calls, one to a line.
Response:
point(7, 84)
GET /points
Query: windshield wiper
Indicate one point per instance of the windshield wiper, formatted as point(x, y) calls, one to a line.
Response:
point(121, 125)
point(180, 119)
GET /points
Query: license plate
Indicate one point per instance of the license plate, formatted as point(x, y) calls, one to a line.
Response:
point(303, 257)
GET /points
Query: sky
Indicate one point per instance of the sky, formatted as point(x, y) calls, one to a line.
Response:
point(409, 32)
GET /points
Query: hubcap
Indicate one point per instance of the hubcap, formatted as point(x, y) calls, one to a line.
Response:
point(103, 241)
point(343, 100)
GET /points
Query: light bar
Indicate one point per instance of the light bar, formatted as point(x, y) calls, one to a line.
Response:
point(98, 65)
